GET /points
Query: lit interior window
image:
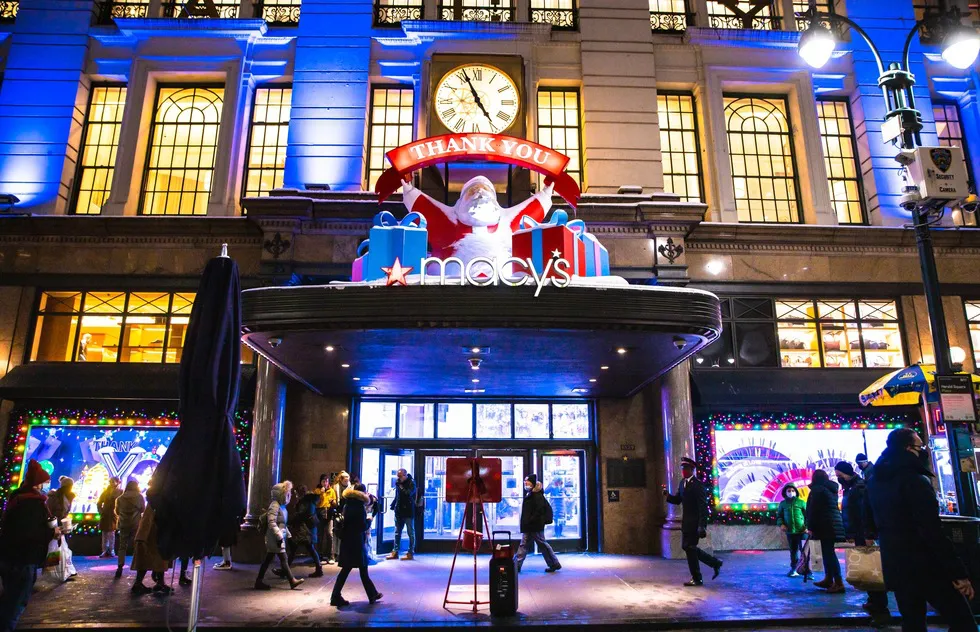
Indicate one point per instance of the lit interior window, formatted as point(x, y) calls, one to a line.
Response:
point(477, 10)
point(559, 127)
point(679, 145)
point(950, 134)
point(391, 126)
point(560, 14)
point(100, 141)
point(837, 134)
point(669, 15)
point(823, 6)
point(225, 9)
point(266, 161)
point(761, 152)
point(746, 14)
point(184, 141)
point(279, 12)
point(8, 9)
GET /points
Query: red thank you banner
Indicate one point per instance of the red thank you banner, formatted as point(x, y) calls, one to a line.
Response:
point(490, 147)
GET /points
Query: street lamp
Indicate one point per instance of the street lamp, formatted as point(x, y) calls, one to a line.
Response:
point(961, 45)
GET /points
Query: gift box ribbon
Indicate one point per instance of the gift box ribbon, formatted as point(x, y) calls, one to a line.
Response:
point(387, 219)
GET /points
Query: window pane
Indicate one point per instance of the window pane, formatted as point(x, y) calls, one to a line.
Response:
point(840, 157)
point(477, 10)
point(756, 344)
point(761, 153)
point(841, 345)
point(560, 14)
point(376, 420)
point(184, 142)
point(455, 421)
point(883, 344)
point(571, 421)
point(718, 354)
point(561, 477)
point(100, 139)
point(391, 126)
point(798, 345)
point(99, 341)
point(531, 421)
point(415, 421)
point(741, 14)
point(54, 338)
point(61, 302)
point(493, 421)
point(668, 15)
point(266, 163)
point(143, 338)
point(558, 127)
point(678, 146)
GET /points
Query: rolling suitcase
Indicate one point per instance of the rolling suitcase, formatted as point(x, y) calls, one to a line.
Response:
point(503, 577)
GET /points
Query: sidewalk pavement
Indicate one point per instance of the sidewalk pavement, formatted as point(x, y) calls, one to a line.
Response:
point(611, 591)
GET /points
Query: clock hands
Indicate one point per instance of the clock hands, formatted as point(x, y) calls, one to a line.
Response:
point(477, 98)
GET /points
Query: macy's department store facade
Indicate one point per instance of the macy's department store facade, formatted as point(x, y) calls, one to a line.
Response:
point(707, 184)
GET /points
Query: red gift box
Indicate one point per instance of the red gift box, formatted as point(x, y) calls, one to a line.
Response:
point(538, 242)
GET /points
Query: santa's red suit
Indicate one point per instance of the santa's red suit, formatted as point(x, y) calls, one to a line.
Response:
point(450, 237)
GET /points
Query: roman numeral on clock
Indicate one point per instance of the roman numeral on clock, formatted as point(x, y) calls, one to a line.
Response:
point(459, 125)
point(503, 116)
point(507, 102)
point(448, 113)
point(504, 89)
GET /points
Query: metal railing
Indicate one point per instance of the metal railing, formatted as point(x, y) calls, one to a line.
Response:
point(283, 13)
point(757, 15)
point(178, 9)
point(559, 19)
point(109, 10)
point(394, 13)
point(477, 10)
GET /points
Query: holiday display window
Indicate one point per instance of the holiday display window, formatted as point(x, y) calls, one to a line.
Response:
point(90, 447)
point(751, 457)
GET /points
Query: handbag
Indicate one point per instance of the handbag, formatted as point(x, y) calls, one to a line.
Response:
point(815, 553)
point(864, 569)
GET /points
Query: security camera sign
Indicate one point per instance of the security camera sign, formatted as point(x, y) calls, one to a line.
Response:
point(939, 173)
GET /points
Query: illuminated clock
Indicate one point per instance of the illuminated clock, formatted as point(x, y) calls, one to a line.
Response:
point(477, 98)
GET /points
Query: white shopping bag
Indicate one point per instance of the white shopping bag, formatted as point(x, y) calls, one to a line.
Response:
point(816, 555)
point(56, 566)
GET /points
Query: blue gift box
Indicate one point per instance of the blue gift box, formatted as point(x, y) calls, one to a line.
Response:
point(596, 255)
point(390, 239)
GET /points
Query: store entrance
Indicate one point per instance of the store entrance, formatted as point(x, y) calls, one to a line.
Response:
point(561, 472)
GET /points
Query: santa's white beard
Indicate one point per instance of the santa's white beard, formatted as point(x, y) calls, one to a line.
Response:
point(482, 212)
point(482, 244)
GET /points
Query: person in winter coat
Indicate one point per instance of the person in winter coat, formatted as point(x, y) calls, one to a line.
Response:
point(865, 467)
point(25, 531)
point(147, 558)
point(859, 526)
point(791, 519)
point(404, 509)
point(276, 533)
point(693, 499)
point(129, 509)
point(824, 523)
point(536, 513)
point(341, 484)
point(353, 546)
point(59, 504)
point(107, 516)
point(918, 561)
point(326, 507)
point(304, 525)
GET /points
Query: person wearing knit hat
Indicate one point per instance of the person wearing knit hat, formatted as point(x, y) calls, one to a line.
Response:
point(25, 531)
point(536, 513)
point(59, 504)
point(858, 526)
point(693, 498)
point(865, 466)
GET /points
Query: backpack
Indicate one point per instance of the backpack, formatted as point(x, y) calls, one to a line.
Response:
point(549, 513)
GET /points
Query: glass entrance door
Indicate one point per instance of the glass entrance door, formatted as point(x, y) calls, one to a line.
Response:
point(391, 462)
point(562, 474)
point(506, 515)
point(371, 477)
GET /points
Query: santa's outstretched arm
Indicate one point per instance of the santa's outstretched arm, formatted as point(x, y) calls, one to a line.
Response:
point(535, 207)
point(441, 218)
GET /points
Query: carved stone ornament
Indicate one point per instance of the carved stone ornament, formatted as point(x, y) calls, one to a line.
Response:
point(670, 251)
point(277, 245)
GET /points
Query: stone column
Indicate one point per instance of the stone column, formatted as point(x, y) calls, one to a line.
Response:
point(678, 420)
point(267, 428)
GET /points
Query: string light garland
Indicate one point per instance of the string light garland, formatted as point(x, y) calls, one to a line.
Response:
point(21, 422)
point(765, 513)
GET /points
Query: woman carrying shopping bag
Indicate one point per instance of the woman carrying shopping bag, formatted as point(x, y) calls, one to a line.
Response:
point(825, 525)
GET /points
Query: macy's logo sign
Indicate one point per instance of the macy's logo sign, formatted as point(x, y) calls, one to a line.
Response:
point(484, 271)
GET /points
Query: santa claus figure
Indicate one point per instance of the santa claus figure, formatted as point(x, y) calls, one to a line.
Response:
point(476, 226)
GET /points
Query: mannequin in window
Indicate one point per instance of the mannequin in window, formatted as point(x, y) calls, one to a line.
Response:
point(83, 347)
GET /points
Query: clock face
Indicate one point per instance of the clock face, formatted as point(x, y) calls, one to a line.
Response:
point(477, 98)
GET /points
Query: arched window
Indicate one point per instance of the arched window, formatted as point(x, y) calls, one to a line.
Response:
point(184, 140)
point(763, 165)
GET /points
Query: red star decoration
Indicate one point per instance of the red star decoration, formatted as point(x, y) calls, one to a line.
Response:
point(396, 274)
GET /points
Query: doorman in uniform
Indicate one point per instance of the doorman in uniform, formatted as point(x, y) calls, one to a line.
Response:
point(693, 499)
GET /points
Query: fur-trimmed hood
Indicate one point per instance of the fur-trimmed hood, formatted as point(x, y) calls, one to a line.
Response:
point(538, 487)
point(350, 492)
point(279, 492)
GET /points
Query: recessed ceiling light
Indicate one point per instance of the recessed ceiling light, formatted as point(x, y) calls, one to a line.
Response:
point(604, 368)
point(345, 366)
point(475, 390)
point(475, 380)
point(369, 388)
point(580, 390)
point(475, 350)
point(329, 347)
point(621, 351)
point(592, 379)
point(357, 379)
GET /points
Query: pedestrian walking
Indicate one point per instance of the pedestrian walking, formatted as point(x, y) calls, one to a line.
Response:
point(147, 558)
point(226, 541)
point(353, 546)
point(25, 531)
point(276, 533)
point(859, 527)
point(59, 504)
point(403, 507)
point(693, 499)
point(791, 519)
point(305, 527)
point(865, 467)
point(919, 562)
point(536, 514)
point(129, 509)
point(326, 508)
point(341, 485)
point(825, 524)
point(107, 516)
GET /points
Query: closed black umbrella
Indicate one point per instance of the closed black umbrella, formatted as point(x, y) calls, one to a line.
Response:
point(198, 491)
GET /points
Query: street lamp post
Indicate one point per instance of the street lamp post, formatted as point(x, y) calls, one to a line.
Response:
point(961, 46)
